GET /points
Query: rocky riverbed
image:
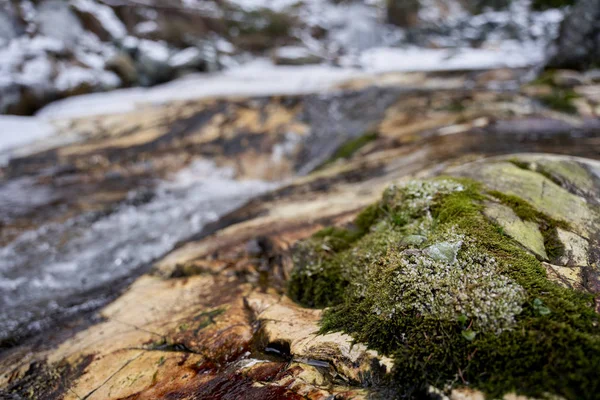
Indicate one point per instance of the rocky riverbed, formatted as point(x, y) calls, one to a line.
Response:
point(165, 251)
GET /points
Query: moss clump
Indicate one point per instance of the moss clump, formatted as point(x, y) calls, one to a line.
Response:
point(347, 149)
point(464, 306)
point(560, 100)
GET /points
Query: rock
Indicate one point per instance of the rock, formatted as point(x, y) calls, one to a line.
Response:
point(525, 232)
point(593, 76)
point(295, 55)
point(215, 314)
point(99, 19)
point(153, 62)
point(578, 43)
point(123, 65)
point(567, 78)
point(404, 13)
point(56, 20)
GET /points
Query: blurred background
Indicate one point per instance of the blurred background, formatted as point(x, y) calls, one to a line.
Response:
point(130, 126)
point(53, 49)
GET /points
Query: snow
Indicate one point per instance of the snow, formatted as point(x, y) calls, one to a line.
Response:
point(155, 51)
point(146, 27)
point(16, 131)
point(186, 58)
point(276, 5)
point(105, 15)
point(253, 79)
point(72, 77)
point(292, 52)
point(385, 59)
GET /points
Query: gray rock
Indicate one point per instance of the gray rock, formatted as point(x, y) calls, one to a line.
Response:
point(153, 62)
point(123, 65)
point(568, 78)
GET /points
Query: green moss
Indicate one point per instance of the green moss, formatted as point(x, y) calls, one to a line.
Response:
point(347, 149)
point(489, 319)
point(560, 100)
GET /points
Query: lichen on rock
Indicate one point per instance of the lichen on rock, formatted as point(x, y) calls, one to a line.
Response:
point(426, 276)
point(470, 287)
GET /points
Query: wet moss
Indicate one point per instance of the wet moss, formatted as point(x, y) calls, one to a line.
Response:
point(348, 149)
point(534, 339)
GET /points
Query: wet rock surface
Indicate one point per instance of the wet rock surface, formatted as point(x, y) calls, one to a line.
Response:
point(211, 313)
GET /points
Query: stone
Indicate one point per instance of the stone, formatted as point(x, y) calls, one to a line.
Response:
point(525, 232)
point(123, 65)
point(576, 249)
point(153, 61)
point(567, 78)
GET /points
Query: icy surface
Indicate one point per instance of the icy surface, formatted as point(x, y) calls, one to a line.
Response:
point(44, 272)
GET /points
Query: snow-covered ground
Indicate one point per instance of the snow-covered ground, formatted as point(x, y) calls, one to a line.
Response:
point(357, 42)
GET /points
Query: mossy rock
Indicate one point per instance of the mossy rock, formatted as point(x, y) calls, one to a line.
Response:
point(472, 303)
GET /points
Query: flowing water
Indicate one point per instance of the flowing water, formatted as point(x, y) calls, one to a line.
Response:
point(58, 269)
